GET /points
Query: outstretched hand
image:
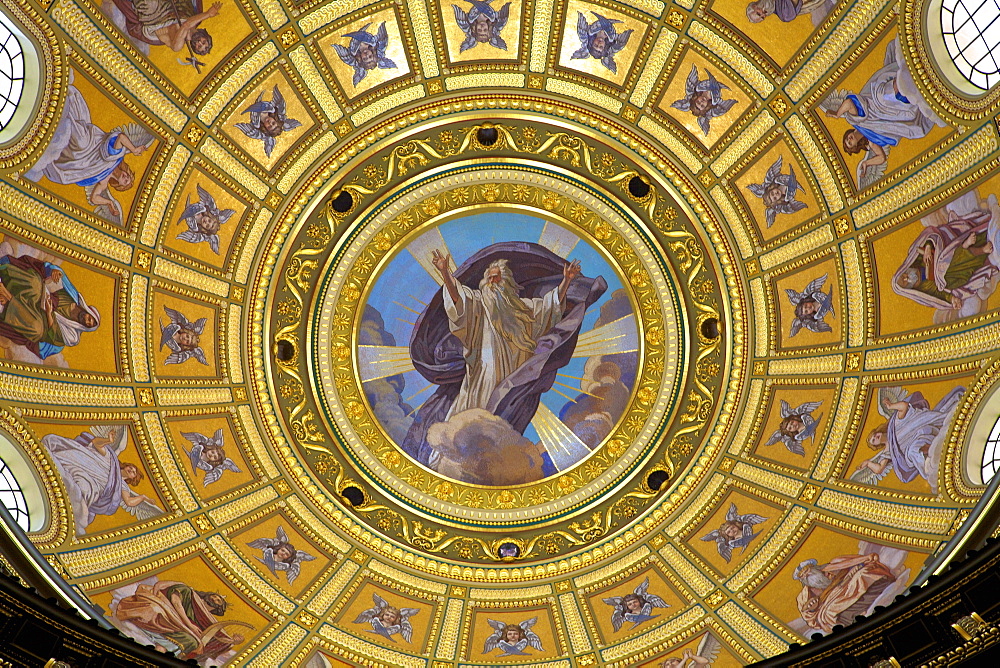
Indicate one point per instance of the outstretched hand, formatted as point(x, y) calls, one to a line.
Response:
point(441, 261)
point(571, 270)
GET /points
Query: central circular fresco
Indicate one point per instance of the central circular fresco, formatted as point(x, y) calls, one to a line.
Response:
point(473, 353)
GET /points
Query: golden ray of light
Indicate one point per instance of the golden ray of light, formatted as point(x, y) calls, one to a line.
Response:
point(419, 392)
point(563, 394)
point(577, 389)
point(566, 375)
point(564, 447)
point(424, 246)
point(376, 362)
point(407, 308)
point(411, 324)
point(558, 239)
point(618, 336)
point(417, 300)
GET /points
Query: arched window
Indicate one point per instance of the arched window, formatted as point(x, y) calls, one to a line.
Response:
point(971, 31)
point(991, 454)
point(11, 74)
point(12, 497)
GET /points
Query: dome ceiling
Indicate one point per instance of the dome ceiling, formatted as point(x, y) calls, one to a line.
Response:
point(473, 333)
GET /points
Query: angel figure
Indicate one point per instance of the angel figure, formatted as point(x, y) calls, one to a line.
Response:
point(635, 607)
point(182, 337)
point(267, 120)
point(209, 455)
point(909, 441)
point(600, 40)
point(482, 24)
point(203, 219)
point(707, 652)
point(99, 483)
point(365, 52)
point(797, 424)
point(778, 191)
point(83, 154)
point(812, 305)
point(387, 620)
point(703, 98)
point(512, 639)
point(888, 108)
point(736, 531)
point(278, 553)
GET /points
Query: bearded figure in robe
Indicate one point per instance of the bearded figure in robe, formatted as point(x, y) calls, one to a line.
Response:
point(837, 592)
point(496, 334)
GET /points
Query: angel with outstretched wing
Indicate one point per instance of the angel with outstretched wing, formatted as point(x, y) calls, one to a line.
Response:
point(482, 24)
point(203, 219)
point(365, 51)
point(280, 555)
point(706, 653)
point(600, 39)
point(268, 119)
point(797, 425)
point(778, 192)
point(703, 98)
point(636, 607)
point(182, 337)
point(387, 620)
point(736, 531)
point(512, 639)
point(209, 455)
point(812, 305)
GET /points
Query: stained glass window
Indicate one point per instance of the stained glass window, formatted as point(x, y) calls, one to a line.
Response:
point(971, 30)
point(12, 496)
point(11, 74)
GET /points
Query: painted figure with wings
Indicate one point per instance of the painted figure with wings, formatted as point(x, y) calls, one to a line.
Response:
point(736, 531)
point(97, 482)
point(279, 554)
point(797, 425)
point(268, 119)
point(365, 52)
point(888, 108)
point(600, 40)
point(203, 219)
point(778, 192)
point(812, 305)
point(482, 24)
point(707, 652)
point(209, 455)
point(909, 441)
point(703, 98)
point(512, 639)
point(636, 607)
point(387, 620)
point(182, 337)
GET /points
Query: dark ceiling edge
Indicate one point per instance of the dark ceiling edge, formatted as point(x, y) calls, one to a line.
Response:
point(916, 628)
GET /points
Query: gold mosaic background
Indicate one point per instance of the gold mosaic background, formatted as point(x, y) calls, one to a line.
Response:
point(860, 227)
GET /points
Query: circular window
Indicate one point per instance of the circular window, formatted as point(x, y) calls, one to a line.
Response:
point(971, 31)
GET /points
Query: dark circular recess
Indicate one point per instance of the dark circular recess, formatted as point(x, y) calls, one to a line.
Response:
point(508, 551)
point(284, 350)
point(343, 202)
point(710, 328)
point(487, 136)
point(656, 479)
point(354, 495)
point(637, 187)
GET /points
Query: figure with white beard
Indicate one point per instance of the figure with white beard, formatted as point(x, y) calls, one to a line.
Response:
point(498, 329)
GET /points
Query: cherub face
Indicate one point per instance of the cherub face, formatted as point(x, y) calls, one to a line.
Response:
point(808, 307)
point(599, 45)
point(855, 142)
point(731, 530)
point(512, 635)
point(214, 456)
point(701, 103)
point(481, 29)
point(792, 425)
point(187, 339)
point(390, 616)
point(632, 603)
point(207, 223)
point(774, 195)
point(367, 57)
point(285, 553)
point(270, 125)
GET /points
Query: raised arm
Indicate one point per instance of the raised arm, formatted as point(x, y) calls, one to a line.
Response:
point(570, 271)
point(442, 261)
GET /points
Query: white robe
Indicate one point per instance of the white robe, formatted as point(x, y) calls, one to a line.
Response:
point(94, 481)
point(489, 357)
